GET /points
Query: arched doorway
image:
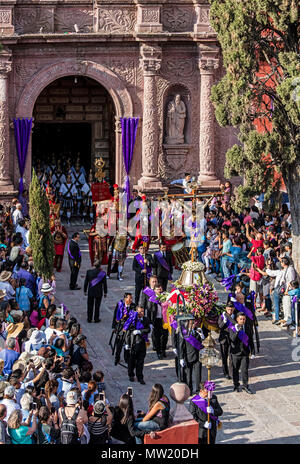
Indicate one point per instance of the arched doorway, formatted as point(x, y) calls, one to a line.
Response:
point(74, 117)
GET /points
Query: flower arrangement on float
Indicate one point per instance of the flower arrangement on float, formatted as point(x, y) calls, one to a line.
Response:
point(201, 298)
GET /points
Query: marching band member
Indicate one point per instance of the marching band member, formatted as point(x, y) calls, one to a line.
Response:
point(68, 192)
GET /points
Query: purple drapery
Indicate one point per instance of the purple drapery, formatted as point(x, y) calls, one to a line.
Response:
point(129, 128)
point(22, 129)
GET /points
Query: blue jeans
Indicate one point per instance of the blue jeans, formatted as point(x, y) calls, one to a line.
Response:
point(276, 302)
point(225, 269)
point(214, 265)
point(147, 426)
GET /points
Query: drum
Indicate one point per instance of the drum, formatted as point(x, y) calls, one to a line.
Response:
point(180, 253)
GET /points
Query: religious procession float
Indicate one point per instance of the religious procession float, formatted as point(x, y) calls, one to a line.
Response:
point(193, 297)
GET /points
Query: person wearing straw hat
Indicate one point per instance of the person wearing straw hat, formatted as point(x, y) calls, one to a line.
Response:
point(5, 285)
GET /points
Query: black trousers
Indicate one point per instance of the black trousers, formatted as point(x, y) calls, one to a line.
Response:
point(136, 363)
point(138, 288)
point(240, 362)
point(224, 353)
point(93, 303)
point(203, 439)
point(74, 274)
point(159, 336)
point(193, 370)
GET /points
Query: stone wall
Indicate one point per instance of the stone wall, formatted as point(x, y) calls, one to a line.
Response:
point(143, 54)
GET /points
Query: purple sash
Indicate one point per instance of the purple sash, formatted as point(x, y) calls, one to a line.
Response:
point(188, 338)
point(242, 308)
point(140, 260)
point(241, 334)
point(70, 251)
point(98, 279)
point(163, 262)
point(149, 292)
point(121, 311)
point(133, 319)
point(202, 404)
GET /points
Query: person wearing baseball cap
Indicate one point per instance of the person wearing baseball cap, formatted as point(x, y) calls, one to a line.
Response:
point(71, 409)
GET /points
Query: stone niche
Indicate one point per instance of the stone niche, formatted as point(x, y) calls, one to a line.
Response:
point(177, 150)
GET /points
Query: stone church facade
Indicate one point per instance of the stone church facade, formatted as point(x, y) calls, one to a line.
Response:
point(142, 54)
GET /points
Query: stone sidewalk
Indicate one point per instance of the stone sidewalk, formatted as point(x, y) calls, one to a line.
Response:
point(272, 415)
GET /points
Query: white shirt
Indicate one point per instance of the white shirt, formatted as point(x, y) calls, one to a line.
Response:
point(283, 276)
point(17, 214)
point(158, 315)
point(64, 189)
point(11, 405)
point(48, 332)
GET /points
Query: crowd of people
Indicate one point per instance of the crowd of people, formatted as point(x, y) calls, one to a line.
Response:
point(49, 389)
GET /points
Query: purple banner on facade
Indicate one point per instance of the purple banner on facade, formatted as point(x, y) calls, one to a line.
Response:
point(22, 129)
point(129, 129)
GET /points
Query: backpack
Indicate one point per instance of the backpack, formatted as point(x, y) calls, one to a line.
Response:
point(68, 430)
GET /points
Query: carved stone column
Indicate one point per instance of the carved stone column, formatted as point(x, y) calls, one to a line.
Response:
point(151, 62)
point(208, 63)
point(5, 68)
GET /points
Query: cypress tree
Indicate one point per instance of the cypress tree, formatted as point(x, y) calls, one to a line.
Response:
point(40, 238)
point(260, 41)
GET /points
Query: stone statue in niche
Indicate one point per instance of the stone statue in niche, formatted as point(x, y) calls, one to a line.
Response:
point(176, 115)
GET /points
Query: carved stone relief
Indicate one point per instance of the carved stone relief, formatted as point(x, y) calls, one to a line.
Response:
point(150, 15)
point(116, 20)
point(65, 18)
point(5, 16)
point(30, 20)
point(178, 19)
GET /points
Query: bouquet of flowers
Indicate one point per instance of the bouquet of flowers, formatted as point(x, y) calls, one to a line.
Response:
point(193, 266)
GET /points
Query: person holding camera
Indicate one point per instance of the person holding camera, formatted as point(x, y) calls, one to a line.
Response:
point(99, 423)
point(72, 417)
point(123, 429)
point(21, 433)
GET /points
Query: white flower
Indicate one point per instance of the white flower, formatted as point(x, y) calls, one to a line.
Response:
point(193, 266)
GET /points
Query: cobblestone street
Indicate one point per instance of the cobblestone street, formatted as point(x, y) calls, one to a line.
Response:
point(270, 416)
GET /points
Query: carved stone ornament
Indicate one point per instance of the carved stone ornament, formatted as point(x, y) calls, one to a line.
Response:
point(208, 64)
point(116, 20)
point(66, 18)
point(150, 58)
point(150, 15)
point(177, 19)
point(5, 68)
point(31, 20)
point(5, 16)
point(180, 67)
